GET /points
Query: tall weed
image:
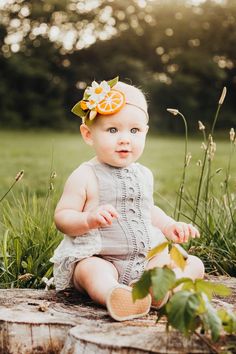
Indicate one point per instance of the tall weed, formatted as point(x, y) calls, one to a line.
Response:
point(210, 204)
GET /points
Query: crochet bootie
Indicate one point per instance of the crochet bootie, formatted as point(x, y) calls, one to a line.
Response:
point(121, 307)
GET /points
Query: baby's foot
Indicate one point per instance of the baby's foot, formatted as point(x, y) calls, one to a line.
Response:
point(121, 307)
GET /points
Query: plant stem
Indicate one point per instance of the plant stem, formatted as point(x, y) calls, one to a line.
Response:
point(207, 342)
point(181, 188)
point(8, 191)
point(232, 147)
point(204, 162)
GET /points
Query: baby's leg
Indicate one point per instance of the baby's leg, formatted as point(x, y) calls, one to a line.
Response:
point(96, 276)
point(99, 278)
point(194, 269)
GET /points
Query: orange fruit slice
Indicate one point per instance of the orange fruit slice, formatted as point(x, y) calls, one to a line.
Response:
point(112, 103)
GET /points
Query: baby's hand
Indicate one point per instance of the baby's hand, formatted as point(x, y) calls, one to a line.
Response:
point(180, 232)
point(102, 216)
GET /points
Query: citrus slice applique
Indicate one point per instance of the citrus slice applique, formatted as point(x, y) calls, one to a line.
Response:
point(112, 103)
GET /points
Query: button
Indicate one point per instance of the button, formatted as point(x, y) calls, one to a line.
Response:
point(142, 244)
point(135, 274)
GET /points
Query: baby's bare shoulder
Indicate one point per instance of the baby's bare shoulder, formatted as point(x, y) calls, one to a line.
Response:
point(80, 177)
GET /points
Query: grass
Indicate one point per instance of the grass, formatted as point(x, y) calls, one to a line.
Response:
point(32, 152)
point(27, 233)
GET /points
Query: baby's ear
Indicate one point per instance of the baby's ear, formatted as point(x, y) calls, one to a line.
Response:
point(86, 134)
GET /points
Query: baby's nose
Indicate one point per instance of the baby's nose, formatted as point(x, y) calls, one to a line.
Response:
point(124, 139)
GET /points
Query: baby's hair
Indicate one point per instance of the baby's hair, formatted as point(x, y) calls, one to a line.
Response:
point(129, 82)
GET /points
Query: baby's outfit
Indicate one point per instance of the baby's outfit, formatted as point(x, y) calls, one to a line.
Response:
point(127, 241)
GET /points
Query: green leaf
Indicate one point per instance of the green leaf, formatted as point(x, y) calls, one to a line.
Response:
point(211, 319)
point(210, 288)
point(182, 310)
point(86, 95)
point(113, 82)
point(228, 319)
point(188, 283)
point(162, 280)
point(4, 249)
point(78, 110)
point(142, 286)
point(157, 249)
point(177, 257)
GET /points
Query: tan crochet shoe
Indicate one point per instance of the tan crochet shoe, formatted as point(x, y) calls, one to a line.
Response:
point(155, 304)
point(121, 307)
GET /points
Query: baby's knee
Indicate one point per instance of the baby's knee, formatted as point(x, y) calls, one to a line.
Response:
point(197, 266)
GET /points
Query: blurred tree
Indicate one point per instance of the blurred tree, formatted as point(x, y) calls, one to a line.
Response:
point(181, 54)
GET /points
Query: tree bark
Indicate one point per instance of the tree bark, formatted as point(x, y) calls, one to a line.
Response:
point(39, 321)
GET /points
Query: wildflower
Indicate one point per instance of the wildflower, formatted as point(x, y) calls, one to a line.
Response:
point(203, 146)
point(51, 187)
point(222, 97)
point(199, 163)
point(201, 126)
point(97, 91)
point(173, 111)
point(212, 148)
point(19, 176)
point(48, 282)
point(53, 175)
point(232, 134)
point(188, 158)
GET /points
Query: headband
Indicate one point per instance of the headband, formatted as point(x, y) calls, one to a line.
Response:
point(103, 99)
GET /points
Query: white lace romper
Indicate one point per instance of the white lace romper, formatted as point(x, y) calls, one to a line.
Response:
point(126, 242)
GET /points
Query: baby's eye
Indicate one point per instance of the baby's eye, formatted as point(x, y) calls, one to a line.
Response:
point(134, 130)
point(112, 130)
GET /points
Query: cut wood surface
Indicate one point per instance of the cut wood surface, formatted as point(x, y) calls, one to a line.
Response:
point(39, 321)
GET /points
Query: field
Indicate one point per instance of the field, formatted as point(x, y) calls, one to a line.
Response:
point(28, 235)
point(37, 153)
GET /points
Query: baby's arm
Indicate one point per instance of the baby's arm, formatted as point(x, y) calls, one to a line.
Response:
point(70, 216)
point(178, 232)
point(173, 230)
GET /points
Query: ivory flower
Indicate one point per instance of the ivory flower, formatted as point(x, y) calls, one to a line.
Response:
point(91, 104)
point(97, 91)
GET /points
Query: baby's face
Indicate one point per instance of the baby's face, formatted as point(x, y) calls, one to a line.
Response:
point(119, 139)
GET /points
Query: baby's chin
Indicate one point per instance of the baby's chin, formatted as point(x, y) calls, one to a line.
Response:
point(117, 164)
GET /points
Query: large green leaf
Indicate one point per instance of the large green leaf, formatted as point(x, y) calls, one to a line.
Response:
point(141, 287)
point(162, 280)
point(177, 257)
point(158, 249)
point(210, 288)
point(211, 319)
point(228, 319)
point(182, 310)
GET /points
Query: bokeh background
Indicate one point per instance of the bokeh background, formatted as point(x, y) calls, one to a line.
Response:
point(181, 53)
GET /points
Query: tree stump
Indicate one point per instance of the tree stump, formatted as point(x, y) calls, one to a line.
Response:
point(39, 321)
